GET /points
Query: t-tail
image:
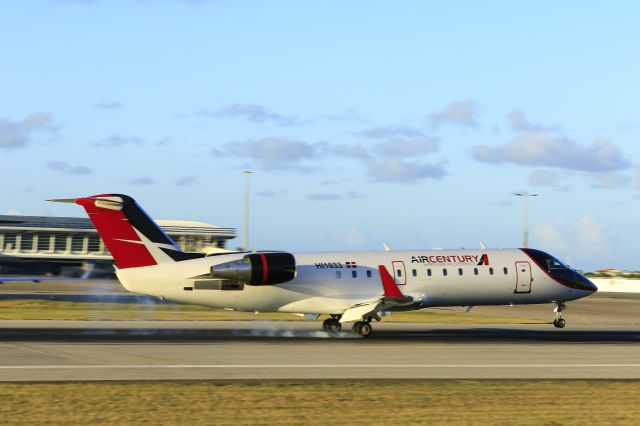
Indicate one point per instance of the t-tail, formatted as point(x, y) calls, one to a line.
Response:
point(131, 236)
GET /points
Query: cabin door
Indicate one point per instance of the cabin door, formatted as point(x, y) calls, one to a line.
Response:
point(524, 278)
point(399, 274)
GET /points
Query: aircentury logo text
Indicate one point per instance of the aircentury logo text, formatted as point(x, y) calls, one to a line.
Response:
point(452, 259)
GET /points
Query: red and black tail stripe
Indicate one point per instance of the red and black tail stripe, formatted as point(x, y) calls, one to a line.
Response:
point(131, 236)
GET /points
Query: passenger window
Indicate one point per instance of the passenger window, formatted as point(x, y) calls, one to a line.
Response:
point(338, 274)
point(444, 272)
point(368, 274)
point(399, 273)
point(354, 274)
point(475, 271)
point(460, 271)
point(505, 270)
point(490, 271)
point(415, 273)
point(429, 272)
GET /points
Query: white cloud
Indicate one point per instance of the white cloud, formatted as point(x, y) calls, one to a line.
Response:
point(68, 168)
point(187, 181)
point(408, 148)
point(384, 132)
point(17, 134)
point(144, 180)
point(519, 123)
point(354, 195)
point(550, 179)
point(460, 113)
point(609, 180)
point(350, 150)
point(395, 170)
point(275, 153)
point(584, 237)
point(544, 178)
point(119, 141)
point(543, 149)
point(250, 112)
point(591, 235)
point(551, 237)
point(396, 160)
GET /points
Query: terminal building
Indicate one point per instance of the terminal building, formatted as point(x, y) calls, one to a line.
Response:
point(55, 245)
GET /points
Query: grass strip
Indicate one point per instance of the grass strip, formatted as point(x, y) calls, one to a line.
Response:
point(36, 309)
point(361, 403)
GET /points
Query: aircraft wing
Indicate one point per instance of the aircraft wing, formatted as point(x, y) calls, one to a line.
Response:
point(392, 297)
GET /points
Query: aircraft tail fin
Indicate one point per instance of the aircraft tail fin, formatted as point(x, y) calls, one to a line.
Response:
point(131, 236)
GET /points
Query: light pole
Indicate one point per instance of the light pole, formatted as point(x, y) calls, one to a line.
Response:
point(525, 232)
point(245, 236)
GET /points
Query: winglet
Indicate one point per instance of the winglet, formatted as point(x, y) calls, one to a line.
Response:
point(63, 200)
point(390, 287)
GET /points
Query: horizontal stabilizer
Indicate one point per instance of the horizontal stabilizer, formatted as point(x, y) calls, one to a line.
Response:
point(63, 200)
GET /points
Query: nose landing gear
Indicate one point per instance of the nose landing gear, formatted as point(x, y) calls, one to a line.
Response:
point(559, 309)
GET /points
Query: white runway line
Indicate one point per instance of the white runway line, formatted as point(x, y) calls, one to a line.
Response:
point(294, 366)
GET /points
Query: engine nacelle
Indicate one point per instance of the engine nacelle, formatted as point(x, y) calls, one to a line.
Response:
point(258, 269)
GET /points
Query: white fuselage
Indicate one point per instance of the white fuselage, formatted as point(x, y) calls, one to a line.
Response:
point(328, 282)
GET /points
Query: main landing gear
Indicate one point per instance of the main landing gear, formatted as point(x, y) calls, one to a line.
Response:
point(332, 324)
point(559, 309)
point(360, 328)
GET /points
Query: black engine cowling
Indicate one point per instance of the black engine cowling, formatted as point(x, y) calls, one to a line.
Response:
point(258, 269)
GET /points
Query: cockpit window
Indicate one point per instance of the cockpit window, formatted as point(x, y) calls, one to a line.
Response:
point(553, 263)
point(544, 260)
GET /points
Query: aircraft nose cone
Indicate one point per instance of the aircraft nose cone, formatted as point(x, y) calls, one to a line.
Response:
point(583, 283)
point(574, 280)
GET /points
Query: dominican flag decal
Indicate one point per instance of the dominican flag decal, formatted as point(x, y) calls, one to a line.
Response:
point(484, 260)
point(351, 265)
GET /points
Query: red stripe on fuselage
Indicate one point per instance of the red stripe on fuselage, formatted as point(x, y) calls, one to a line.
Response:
point(265, 268)
point(113, 227)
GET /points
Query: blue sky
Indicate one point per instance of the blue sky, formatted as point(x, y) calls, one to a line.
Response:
point(406, 122)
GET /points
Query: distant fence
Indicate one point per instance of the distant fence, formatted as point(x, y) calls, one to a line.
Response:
point(617, 285)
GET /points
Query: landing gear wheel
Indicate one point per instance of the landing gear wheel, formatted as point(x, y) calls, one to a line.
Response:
point(559, 323)
point(326, 324)
point(331, 325)
point(560, 308)
point(362, 328)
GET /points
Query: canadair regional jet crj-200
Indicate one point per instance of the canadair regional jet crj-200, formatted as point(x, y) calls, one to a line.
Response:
point(345, 286)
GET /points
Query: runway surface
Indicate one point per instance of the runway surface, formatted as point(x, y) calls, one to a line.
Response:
point(601, 340)
point(248, 350)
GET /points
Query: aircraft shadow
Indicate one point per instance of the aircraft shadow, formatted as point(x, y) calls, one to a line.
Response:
point(274, 335)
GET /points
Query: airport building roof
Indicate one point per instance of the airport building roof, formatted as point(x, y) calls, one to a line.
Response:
point(70, 238)
point(76, 224)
